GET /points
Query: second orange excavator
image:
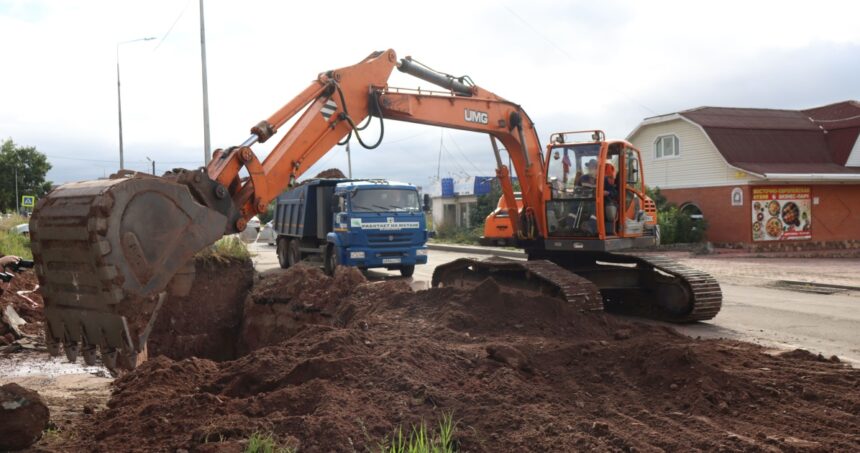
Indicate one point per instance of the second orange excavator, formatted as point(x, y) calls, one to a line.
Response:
point(109, 253)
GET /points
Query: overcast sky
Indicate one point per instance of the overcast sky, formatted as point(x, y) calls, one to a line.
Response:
point(572, 65)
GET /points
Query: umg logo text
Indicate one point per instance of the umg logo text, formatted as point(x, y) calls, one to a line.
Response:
point(474, 116)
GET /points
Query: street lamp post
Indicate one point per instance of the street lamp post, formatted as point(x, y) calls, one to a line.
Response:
point(17, 208)
point(348, 160)
point(153, 165)
point(207, 155)
point(119, 96)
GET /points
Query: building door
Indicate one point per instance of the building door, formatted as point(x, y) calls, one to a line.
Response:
point(633, 201)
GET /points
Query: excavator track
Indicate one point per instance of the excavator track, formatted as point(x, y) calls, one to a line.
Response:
point(647, 286)
point(706, 297)
point(541, 276)
point(105, 252)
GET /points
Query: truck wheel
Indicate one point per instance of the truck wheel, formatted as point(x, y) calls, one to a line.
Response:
point(407, 271)
point(331, 261)
point(283, 243)
point(294, 253)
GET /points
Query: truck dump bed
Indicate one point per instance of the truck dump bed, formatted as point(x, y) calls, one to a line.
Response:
point(305, 212)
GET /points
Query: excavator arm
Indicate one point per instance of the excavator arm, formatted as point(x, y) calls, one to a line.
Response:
point(335, 105)
point(108, 253)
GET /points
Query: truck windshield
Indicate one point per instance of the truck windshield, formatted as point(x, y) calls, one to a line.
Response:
point(385, 200)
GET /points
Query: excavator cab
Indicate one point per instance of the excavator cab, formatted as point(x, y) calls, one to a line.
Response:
point(596, 193)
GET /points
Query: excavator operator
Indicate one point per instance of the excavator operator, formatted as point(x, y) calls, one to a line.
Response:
point(610, 200)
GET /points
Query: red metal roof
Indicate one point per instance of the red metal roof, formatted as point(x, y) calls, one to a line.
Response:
point(816, 140)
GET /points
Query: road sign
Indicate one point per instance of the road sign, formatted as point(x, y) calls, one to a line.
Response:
point(28, 201)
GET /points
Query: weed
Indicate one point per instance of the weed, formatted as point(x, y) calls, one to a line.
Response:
point(226, 249)
point(421, 439)
point(265, 443)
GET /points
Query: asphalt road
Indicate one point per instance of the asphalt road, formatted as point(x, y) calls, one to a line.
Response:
point(752, 309)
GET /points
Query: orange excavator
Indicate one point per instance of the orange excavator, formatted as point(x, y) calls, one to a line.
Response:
point(109, 252)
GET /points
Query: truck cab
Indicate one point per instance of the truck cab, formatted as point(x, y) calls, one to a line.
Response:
point(362, 223)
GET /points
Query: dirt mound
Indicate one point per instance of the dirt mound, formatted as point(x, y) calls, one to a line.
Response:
point(23, 417)
point(331, 173)
point(22, 295)
point(519, 372)
point(284, 304)
point(206, 322)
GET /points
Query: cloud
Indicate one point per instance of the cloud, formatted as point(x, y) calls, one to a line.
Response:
point(572, 65)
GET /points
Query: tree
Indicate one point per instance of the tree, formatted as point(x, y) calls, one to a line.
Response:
point(32, 167)
point(485, 204)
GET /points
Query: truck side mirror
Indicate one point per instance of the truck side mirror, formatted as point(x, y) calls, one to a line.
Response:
point(426, 206)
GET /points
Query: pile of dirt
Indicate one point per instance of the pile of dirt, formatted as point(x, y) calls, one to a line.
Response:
point(331, 173)
point(206, 322)
point(519, 373)
point(22, 294)
point(283, 304)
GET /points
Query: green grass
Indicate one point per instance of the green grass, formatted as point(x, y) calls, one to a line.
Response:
point(422, 439)
point(14, 244)
point(228, 248)
point(265, 443)
point(459, 235)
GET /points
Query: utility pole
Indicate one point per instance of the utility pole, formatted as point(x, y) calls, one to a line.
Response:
point(153, 165)
point(207, 156)
point(349, 160)
point(17, 208)
point(119, 97)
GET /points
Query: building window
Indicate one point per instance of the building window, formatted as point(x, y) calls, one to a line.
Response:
point(667, 146)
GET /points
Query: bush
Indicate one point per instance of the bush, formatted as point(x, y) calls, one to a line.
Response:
point(678, 227)
point(459, 235)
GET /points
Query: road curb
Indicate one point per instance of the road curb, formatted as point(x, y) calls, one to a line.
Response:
point(476, 250)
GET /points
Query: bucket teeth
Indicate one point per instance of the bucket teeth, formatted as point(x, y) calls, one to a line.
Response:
point(90, 354)
point(53, 346)
point(72, 349)
point(109, 358)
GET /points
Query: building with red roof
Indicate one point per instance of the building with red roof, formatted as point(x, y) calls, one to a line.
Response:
point(760, 176)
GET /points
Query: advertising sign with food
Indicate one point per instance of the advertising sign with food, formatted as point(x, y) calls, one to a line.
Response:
point(781, 213)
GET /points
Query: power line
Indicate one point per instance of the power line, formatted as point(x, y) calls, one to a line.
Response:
point(477, 170)
point(172, 25)
point(570, 57)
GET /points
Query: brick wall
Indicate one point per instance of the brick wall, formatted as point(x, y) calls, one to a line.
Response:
point(836, 217)
point(726, 223)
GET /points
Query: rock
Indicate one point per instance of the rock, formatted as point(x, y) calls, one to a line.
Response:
point(10, 318)
point(510, 356)
point(808, 394)
point(23, 417)
point(600, 429)
point(622, 334)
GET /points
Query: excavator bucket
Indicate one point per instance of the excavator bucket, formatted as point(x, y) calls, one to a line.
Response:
point(106, 251)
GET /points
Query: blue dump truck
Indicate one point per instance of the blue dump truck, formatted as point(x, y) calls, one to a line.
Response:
point(344, 222)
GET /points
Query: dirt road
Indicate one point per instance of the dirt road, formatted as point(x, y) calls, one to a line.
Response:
point(753, 310)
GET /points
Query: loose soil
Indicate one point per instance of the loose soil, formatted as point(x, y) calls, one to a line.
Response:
point(22, 295)
point(205, 323)
point(519, 372)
